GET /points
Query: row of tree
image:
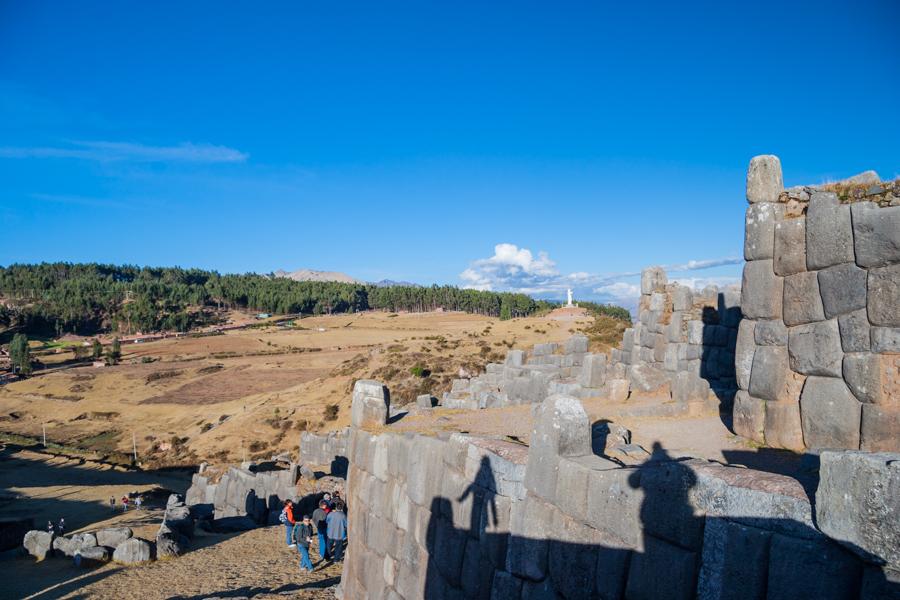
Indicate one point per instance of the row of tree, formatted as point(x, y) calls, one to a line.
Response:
point(89, 298)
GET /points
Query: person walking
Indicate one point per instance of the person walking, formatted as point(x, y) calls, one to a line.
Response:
point(337, 531)
point(303, 533)
point(61, 527)
point(287, 517)
point(112, 503)
point(138, 502)
point(124, 503)
point(319, 517)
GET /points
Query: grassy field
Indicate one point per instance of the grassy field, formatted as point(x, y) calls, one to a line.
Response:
point(249, 393)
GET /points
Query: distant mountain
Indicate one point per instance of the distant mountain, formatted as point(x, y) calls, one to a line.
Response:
point(310, 275)
point(392, 283)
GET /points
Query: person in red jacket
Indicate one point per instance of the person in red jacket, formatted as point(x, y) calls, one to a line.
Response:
point(287, 517)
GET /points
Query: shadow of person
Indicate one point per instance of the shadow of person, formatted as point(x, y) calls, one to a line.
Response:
point(672, 535)
point(482, 490)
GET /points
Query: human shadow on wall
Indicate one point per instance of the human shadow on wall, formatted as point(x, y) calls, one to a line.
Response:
point(663, 557)
point(719, 339)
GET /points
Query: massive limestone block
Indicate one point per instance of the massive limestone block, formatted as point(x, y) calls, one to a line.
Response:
point(886, 339)
point(576, 344)
point(593, 371)
point(764, 180)
point(884, 296)
point(880, 428)
point(803, 568)
point(371, 404)
point(771, 333)
point(653, 279)
point(561, 430)
point(743, 353)
point(790, 247)
point(863, 371)
point(770, 368)
point(682, 298)
point(515, 358)
point(759, 230)
point(70, 546)
point(111, 537)
point(843, 289)
point(679, 565)
point(92, 555)
point(646, 378)
point(858, 503)
point(802, 302)
point(876, 234)
point(38, 543)
point(761, 291)
point(829, 236)
point(855, 331)
point(830, 414)
point(731, 561)
point(132, 551)
point(815, 348)
point(749, 417)
point(783, 426)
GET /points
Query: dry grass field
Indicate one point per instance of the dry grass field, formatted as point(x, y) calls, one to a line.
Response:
point(248, 393)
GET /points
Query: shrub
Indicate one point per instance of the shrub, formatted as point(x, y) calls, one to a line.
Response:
point(331, 412)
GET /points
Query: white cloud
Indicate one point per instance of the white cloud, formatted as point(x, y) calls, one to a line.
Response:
point(619, 291)
point(105, 151)
point(513, 269)
point(698, 283)
point(696, 265)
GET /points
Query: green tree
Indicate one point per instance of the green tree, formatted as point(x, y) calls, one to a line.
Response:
point(20, 354)
point(114, 353)
point(96, 349)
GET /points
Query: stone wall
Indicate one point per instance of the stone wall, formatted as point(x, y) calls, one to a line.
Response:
point(818, 352)
point(244, 492)
point(324, 449)
point(683, 343)
point(465, 517)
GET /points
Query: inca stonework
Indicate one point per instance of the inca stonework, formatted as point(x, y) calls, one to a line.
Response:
point(818, 351)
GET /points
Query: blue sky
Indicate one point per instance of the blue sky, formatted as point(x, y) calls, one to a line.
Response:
point(507, 144)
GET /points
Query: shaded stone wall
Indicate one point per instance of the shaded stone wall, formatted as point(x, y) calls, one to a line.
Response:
point(466, 517)
point(244, 492)
point(323, 448)
point(683, 343)
point(818, 352)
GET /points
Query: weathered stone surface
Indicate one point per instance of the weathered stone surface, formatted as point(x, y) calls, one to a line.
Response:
point(863, 372)
point(679, 565)
point(761, 291)
point(132, 551)
point(759, 230)
point(614, 504)
point(371, 404)
point(880, 429)
point(886, 339)
point(561, 430)
point(855, 331)
point(749, 416)
point(829, 236)
point(764, 181)
point(70, 546)
point(617, 390)
point(92, 555)
point(858, 503)
point(733, 562)
point(770, 333)
point(682, 298)
point(830, 413)
point(843, 289)
point(593, 371)
point(38, 543)
point(790, 246)
point(530, 532)
point(770, 367)
point(113, 536)
point(783, 426)
point(815, 348)
point(802, 302)
point(506, 587)
point(743, 353)
point(811, 569)
point(576, 344)
point(653, 279)
point(884, 296)
point(515, 358)
point(646, 378)
point(426, 401)
point(876, 234)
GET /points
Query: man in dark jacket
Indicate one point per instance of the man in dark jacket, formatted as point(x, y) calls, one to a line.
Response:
point(303, 533)
point(337, 531)
point(320, 524)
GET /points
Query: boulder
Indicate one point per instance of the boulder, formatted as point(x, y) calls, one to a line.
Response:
point(113, 536)
point(92, 556)
point(843, 289)
point(132, 551)
point(170, 544)
point(876, 234)
point(38, 543)
point(830, 414)
point(764, 180)
point(815, 348)
point(371, 404)
point(70, 546)
point(858, 503)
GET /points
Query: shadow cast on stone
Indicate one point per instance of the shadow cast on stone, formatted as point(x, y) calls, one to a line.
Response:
point(719, 340)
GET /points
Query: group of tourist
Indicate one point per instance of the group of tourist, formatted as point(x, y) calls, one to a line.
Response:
point(58, 529)
point(126, 502)
point(327, 524)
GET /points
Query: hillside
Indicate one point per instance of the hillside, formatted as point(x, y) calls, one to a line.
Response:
point(310, 275)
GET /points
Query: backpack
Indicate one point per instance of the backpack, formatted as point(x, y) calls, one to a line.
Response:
point(282, 518)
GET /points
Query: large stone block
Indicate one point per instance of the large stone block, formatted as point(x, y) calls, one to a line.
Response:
point(734, 562)
point(830, 414)
point(880, 429)
point(749, 416)
point(815, 348)
point(576, 344)
point(876, 234)
point(802, 302)
point(855, 331)
point(843, 289)
point(771, 333)
point(506, 587)
point(829, 235)
point(863, 373)
point(811, 569)
point(886, 339)
point(614, 505)
point(783, 425)
point(371, 404)
point(682, 298)
point(593, 371)
point(666, 512)
point(761, 291)
point(132, 551)
point(530, 532)
point(679, 565)
point(744, 351)
point(646, 378)
point(38, 543)
point(111, 537)
point(884, 296)
point(858, 503)
point(764, 181)
point(759, 230)
point(561, 430)
point(653, 279)
point(790, 246)
point(769, 375)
